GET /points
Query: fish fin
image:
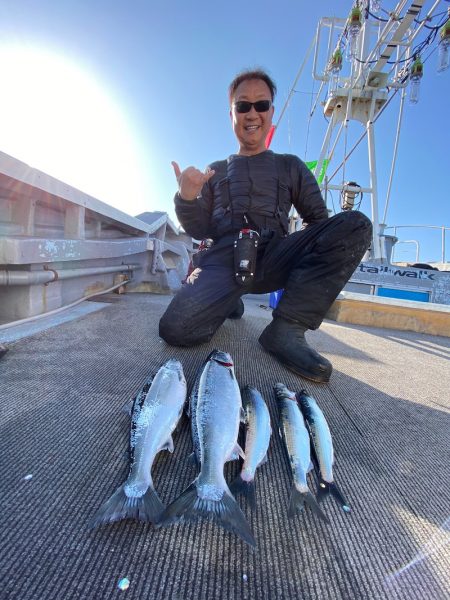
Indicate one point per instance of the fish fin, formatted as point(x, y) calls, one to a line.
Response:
point(224, 512)
point(193, 459)
point(264, 460)
point(127, 408)
point(145, 508)
point(326, 488)
point(299, 499)
point(233, 456)
point(236, 453)
point(246, 488)
point(239, 450)
point(311, 466)
point(168, 445)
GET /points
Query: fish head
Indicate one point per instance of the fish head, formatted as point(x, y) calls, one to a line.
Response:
point(282, 392)
point(304, 399)
point(175, 365)
point(246, 394)
point(223, 358)
point(250, 396)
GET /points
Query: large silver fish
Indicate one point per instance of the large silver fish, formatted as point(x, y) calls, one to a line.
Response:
point(322, 444)
point(297, 442)
point(192, 414)
point(258, 431)
point(219, 411)
point(156, 411)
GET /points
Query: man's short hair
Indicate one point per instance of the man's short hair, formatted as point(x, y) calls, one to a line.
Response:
point(250, 74)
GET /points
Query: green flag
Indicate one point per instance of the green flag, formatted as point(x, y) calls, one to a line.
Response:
point(312, 164)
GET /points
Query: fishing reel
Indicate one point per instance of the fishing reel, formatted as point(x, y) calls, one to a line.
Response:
point(245, 252)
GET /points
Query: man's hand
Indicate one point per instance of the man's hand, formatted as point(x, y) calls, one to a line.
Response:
point(191, 180)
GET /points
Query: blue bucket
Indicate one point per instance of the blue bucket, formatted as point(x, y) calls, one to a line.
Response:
point(275, 297)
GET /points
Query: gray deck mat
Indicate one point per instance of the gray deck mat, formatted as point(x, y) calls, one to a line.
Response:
point(387, 405)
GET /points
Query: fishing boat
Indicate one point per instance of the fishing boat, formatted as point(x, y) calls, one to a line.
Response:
point(82, 288)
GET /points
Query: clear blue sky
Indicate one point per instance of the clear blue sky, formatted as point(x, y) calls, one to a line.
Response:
point(167, 66)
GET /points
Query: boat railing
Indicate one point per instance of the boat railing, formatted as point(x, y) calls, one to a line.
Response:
point(442, 228)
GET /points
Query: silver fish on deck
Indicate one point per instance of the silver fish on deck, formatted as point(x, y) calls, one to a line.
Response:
point(192, 414)
point(219, 411)
point(156, 411)
point(258, 431)
point(297, 443)
point(322, 444)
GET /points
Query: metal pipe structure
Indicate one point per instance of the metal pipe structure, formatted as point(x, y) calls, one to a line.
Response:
point(300, 71)
point(62, 308)
point(443, 244)
point(377, 253)
point(394, 158)
point(313, 110)
point(363, 135)
point(338, 135)
point(408, 242)
point(324, 148)
point(443, 229)
point(50, 275)
point(393, 42)
point(409, 43)
point(332, 23)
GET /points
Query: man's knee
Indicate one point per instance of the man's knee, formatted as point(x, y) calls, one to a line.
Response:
point(357, 222)
point(169, 332)
point(347, 229)
point(177, 333)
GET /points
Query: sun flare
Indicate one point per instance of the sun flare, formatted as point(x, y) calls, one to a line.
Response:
point(57, 118)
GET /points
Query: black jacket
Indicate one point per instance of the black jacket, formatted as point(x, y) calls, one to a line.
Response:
point(256, 191)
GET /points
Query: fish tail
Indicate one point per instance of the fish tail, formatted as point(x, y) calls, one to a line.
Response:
point(299, 499)
point(326, 488)
point(225, 512)
point(246, 488)
point(147, 507)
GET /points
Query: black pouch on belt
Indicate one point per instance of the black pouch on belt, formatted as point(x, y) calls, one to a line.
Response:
point(245, 252)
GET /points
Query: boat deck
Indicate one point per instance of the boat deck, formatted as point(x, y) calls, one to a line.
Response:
point(63, 448)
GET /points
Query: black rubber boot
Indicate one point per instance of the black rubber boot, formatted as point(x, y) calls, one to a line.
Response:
point(238, 311)
point(286, 341)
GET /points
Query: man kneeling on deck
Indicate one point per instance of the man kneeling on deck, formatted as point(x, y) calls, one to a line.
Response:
point(243, 205)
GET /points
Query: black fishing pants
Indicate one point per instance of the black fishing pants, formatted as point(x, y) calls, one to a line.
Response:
point(312, 266)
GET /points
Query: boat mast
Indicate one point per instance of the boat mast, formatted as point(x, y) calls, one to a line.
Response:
point(379, 61)
point(361, 95)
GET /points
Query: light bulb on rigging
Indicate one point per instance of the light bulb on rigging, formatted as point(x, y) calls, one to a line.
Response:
point(415, 76)
point(354, 24)
point(444, 47)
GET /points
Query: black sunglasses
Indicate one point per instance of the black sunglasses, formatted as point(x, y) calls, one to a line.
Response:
point(243, 106)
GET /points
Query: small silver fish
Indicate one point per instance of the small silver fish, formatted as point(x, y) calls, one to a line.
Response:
point(258, 431)
point(156, 411)
point(297, 443)
point(219, 410)
point(322, 444)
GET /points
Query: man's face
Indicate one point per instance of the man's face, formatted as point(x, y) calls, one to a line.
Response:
point(251, 128)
